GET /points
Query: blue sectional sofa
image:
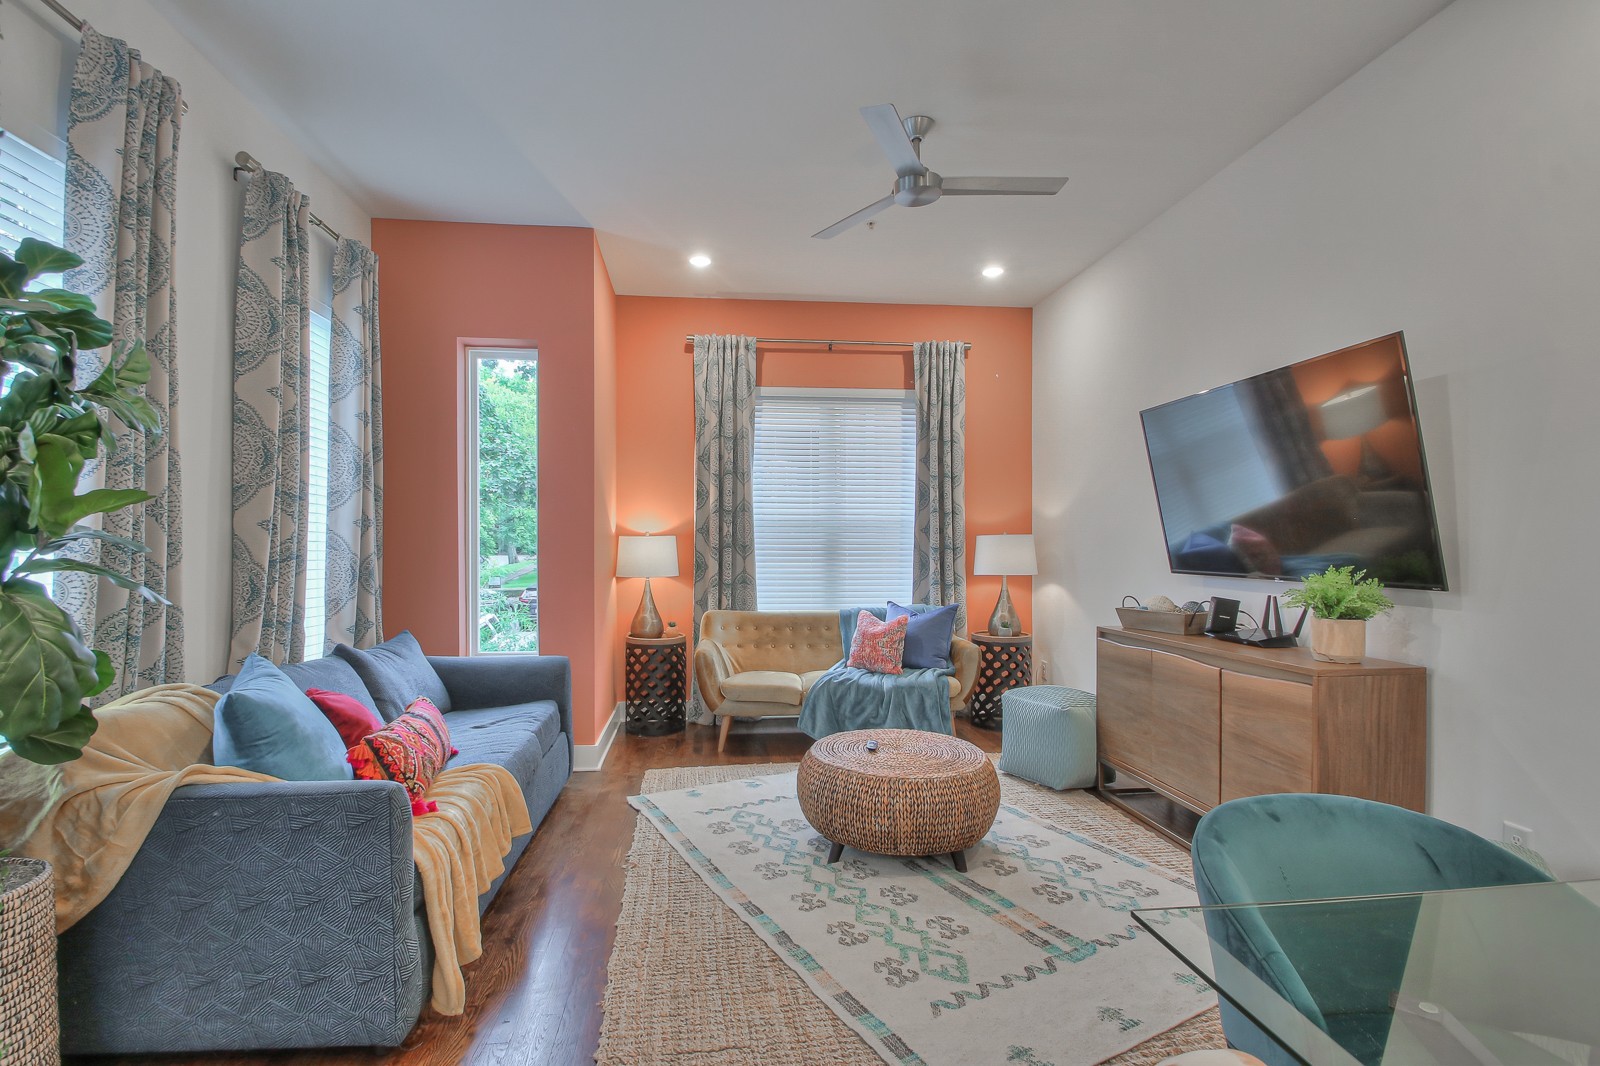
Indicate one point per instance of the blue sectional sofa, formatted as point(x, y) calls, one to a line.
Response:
point(289, 914)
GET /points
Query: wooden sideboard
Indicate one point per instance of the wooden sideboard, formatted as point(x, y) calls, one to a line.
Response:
point(1202, 721)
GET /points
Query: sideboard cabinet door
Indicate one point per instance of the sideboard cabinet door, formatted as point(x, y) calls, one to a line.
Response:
point(1268, 736)
point(1122, 705)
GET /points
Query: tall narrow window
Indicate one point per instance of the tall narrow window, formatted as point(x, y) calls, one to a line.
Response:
point(320, 403)
point(835, 481)
point(503, 498)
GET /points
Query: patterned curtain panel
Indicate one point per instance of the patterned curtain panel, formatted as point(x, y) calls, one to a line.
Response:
point(724, 451)
point(355, 477)
point(941, 538)
point(122, 171)
point(271, 438)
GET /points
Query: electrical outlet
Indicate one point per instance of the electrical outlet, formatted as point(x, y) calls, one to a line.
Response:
point(1044, 671)
point(1520, 835)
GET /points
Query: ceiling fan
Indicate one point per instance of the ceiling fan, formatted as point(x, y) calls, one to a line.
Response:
point(917, 186)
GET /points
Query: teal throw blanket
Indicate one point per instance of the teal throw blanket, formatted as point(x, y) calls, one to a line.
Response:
point(847, 697)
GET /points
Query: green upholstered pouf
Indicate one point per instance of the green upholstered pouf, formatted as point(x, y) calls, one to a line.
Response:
point(1049, 736)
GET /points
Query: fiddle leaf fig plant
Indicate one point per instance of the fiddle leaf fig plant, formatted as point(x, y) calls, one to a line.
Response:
point(49, 430)
point(1340, 592)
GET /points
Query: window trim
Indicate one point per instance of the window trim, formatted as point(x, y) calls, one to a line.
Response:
point(472, 351)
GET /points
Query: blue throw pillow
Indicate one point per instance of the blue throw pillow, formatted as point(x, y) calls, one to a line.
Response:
point(928, 634)
point(396, 672)
point(266, 724)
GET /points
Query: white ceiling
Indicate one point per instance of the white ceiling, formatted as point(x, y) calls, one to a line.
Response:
point(731, 126)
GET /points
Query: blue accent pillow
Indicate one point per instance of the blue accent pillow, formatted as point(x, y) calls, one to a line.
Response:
point(1202, 551)
point(928, 634)
point(266, 724)
point(396, 672)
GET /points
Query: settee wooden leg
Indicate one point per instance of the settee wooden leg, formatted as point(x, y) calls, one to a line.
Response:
point(722, 736)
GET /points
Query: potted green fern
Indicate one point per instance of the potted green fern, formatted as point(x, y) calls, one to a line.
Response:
point(1341, 600)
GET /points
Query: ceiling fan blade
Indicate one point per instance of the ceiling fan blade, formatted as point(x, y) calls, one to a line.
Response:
point(1003, 186)
point(860, 216)
point(891, 134)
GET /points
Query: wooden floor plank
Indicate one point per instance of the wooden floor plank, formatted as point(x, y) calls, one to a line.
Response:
point(534, 997)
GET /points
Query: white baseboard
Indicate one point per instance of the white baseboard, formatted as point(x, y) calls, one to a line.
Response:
point(593, 756)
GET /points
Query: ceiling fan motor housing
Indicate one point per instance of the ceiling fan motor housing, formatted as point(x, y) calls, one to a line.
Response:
point(917, 190)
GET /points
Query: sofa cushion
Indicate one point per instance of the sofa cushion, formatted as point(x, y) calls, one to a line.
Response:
point(928, 634)
point(808, 679)
point(515, 737)
point(878, 646)
point(354, 721)
point(267, 724)
point(396, 672)
point(330, 673)
point(764, 686)
point(411, 750)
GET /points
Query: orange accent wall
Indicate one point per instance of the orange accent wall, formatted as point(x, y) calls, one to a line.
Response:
point(655, 415)
point(446, 286)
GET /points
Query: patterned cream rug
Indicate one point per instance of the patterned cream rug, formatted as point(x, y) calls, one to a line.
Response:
point(692, 982)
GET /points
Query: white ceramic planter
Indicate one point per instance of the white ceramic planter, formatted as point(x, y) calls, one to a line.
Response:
point(1338, 640)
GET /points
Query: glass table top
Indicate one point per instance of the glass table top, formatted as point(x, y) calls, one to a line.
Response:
point(1482, 975)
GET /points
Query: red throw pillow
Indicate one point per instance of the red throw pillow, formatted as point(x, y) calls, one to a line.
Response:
point(878, 646)
point(1256, 551)
point(353, 719)
point(412, 750)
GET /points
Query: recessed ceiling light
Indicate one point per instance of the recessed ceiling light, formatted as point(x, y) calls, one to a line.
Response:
point(993, 270)
point(700, 259)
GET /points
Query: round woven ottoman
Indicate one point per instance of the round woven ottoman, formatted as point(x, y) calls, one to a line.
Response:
point(909, 793)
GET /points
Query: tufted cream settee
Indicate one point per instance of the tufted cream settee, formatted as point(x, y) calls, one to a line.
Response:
point(761, 664)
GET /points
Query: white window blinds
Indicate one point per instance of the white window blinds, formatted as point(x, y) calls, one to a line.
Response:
point(320, 403)
point(32, 191)
point(834, 482)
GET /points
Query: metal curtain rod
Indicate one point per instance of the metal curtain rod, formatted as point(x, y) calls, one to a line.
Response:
point(245, 163)
point(689, 339)
point(77, 23)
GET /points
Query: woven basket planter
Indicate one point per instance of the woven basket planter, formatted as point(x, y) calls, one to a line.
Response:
point(30, 1027)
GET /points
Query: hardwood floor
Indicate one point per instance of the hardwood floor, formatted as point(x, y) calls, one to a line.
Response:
point(534, 997)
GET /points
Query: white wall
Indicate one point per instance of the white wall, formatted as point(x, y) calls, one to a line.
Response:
point(1450, 189)
point(36, 55)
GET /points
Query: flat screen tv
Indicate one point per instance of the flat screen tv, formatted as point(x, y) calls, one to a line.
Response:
point(1289, 472)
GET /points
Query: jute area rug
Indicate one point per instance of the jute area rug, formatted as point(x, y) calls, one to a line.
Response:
point(689, 982)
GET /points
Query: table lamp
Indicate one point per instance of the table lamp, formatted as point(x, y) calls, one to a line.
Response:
point(1005, 554)
point(647, 557)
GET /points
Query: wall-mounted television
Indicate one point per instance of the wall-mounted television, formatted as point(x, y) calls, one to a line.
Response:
point(1308, 466)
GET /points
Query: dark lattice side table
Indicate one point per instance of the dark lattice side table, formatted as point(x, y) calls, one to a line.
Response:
point(655, 676)
point(1007, 664)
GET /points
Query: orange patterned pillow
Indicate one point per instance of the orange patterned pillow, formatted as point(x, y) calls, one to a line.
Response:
point(879, 646)
point(412, 750)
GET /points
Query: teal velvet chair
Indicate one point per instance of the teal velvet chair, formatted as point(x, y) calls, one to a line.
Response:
point(1295, 846)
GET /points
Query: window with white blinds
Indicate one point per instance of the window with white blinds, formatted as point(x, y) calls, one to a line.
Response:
point(33, 186)
point(320, 403)
point(834, 480)
point(32, 193)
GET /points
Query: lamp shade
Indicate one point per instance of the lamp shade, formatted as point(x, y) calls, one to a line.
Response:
point(1353, 413)
point(1005, 554)
point(647, 556)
